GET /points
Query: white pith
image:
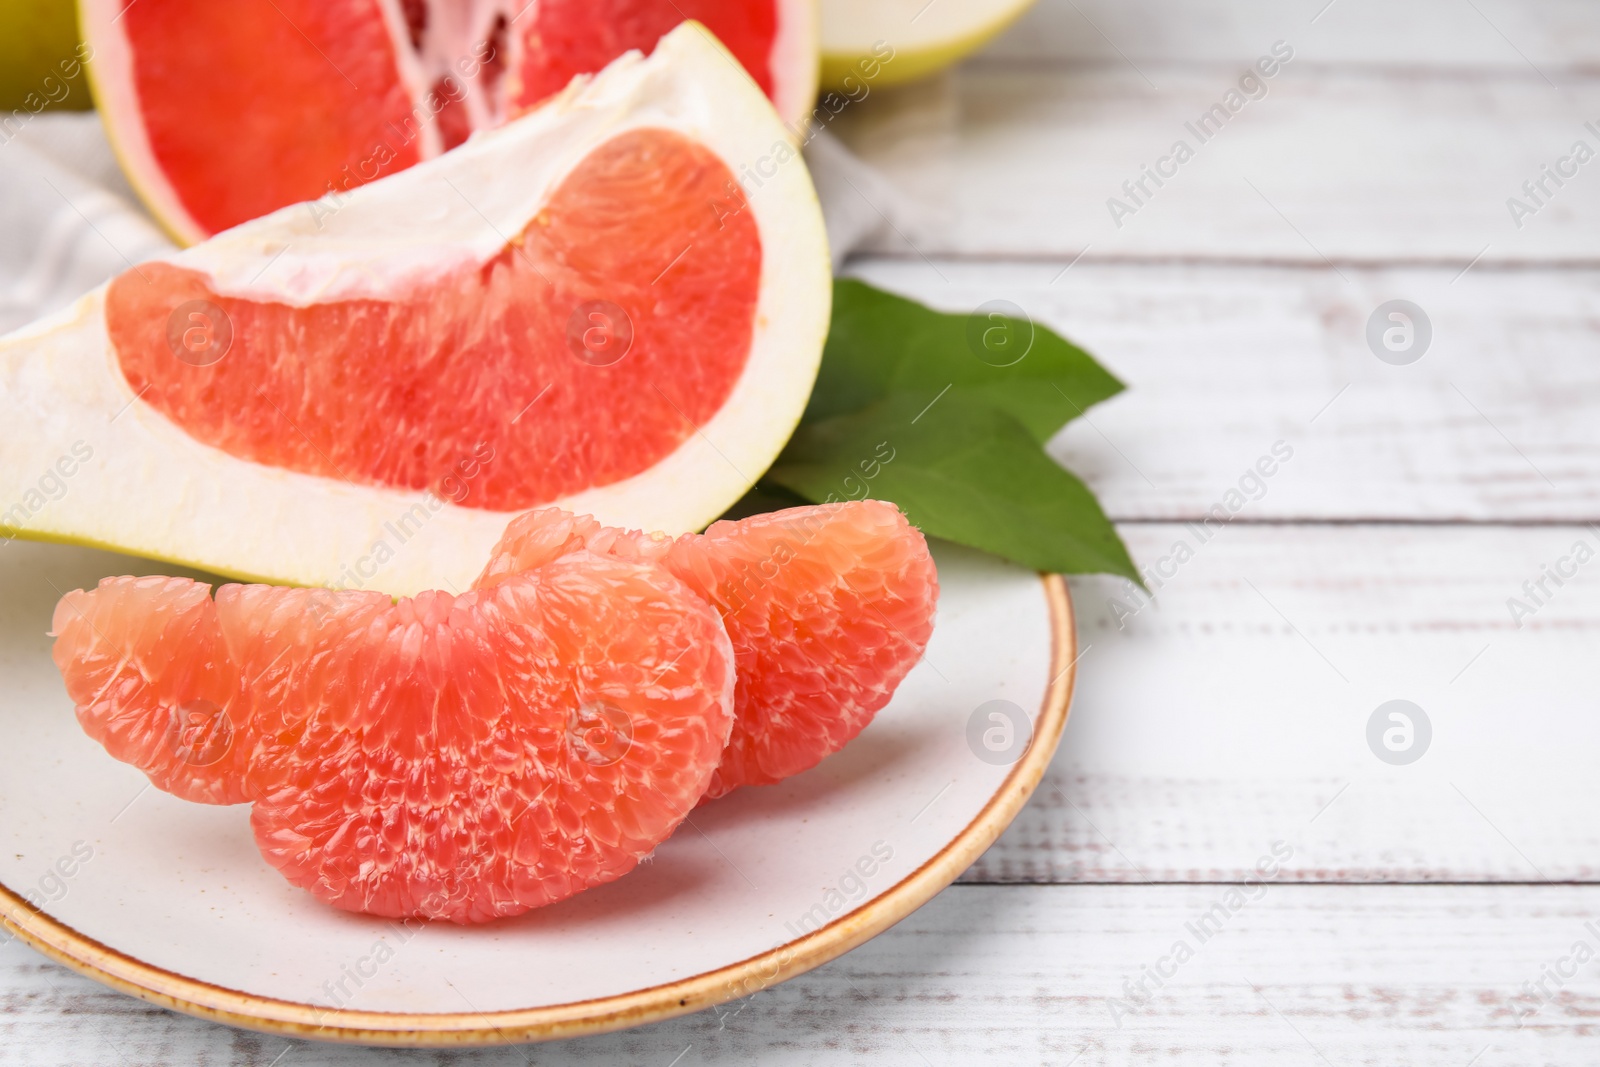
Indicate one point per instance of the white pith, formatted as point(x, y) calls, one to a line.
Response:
point(454, 31)
point(854, 27)
point(150, 489)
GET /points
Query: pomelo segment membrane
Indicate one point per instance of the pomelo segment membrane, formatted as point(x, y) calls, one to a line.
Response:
point(828, 607)
point(460, 758)
point(612, 328)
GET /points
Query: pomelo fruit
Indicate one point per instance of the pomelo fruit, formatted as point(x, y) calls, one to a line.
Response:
point(828, 607)
point(597, 682)
point(444, 757)
point(887, 42)
point(40, 60)
point(583, 308)
point(221, 113)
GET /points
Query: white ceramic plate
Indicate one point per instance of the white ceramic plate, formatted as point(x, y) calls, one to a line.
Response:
point(170, 902)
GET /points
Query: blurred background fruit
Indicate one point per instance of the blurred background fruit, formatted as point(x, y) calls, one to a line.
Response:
point(39, 65)
point(886, 42)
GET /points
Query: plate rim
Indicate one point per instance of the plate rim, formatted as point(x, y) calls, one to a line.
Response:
point(232, 1007)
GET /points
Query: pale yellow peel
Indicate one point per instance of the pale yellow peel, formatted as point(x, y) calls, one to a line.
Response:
point(924, 38)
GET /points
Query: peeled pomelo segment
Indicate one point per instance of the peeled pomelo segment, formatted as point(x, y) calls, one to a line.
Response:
point(225, 112)
point(443, 757)
point(474, 757)
point(313, 471)
point(828, 608)
point(145, 664)
point(399, 391)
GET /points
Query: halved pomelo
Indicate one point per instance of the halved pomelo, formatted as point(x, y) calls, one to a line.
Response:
point(886, 42)
point(460, 758)
point(828, 607)
point(583, 308)
point(223, 112)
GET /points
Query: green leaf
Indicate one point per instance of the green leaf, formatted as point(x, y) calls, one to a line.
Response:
point(962, 470)
point(881, 346)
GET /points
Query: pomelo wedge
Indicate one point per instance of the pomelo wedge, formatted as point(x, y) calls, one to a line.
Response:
point(222, 112)
point(887, 42)
point(828, 607)
point(582, 308)
point(461, 758)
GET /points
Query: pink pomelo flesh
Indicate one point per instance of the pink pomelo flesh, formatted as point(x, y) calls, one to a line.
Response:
point(603, 337)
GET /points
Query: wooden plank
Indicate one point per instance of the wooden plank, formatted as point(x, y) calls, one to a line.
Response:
point(1547, 35)
point(1495, 422)
point(1232, 711)
point(1229, 717)
point(1011, 975)
point(1332, 163)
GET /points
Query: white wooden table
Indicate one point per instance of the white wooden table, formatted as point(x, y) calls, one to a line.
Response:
point(1428, 913)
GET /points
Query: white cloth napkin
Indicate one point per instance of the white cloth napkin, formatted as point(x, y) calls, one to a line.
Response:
point(69, 221)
